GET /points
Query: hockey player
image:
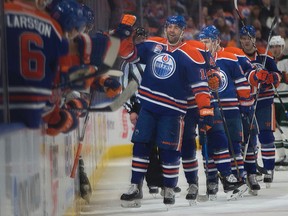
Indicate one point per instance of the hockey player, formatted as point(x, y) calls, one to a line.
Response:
point(246, 114)
point(263, 84)
point(32, 60)
point(83, 50)
point(169, 62)
point(234, 91)
point(276, 46)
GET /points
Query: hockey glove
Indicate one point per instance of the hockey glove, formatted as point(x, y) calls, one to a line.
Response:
point(206, 119)
point(78, 106)
point(64, 123)
point(125, 28)
point(111, 86)
point(75, 122)
point(258, 76)
point(214, 79)
point(273, 78)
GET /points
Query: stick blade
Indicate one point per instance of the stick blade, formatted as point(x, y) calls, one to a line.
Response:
point(112, 52)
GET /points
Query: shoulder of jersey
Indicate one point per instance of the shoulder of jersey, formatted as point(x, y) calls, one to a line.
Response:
point(20, 7)
point(234, 50)
point(157, 40)
point(262, 51)
point(192, 52)
point(196, 44)
point(226, 55)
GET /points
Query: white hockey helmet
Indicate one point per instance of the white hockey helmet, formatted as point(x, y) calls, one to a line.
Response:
point(277, 40)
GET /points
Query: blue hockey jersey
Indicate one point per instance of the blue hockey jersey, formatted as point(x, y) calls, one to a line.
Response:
point(266, 95)
point(171, 76)
point(34, 45)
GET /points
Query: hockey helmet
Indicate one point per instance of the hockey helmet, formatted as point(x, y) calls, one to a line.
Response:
point(70, 15)
point(177, 20)
point(277, 40)
point(248, 30)
point(209, 32)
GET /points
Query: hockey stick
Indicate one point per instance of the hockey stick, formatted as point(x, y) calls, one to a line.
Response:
point(120, 100)
point(224, 120)
point(80, 144)
point(283, 136)
point(259, 84)
point(108, 62)
point(204, 197)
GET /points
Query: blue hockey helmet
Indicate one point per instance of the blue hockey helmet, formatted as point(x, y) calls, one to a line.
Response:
point(248, 30)
point(70, 15)
point(210, 32)
point(177, 20)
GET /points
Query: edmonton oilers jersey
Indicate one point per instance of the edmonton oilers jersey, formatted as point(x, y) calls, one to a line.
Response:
point(171, 76)
point(34, 46)
point(266, 95)
point(233, 83)
point(209, 64)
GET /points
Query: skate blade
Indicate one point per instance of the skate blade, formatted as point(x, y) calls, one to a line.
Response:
point(242, 189)
point(268, 185)
point(192, 202)
point(253, 192)
point(131, 204)
point(238, 192)
point(212, 197)
point(168, 206)
point(154, 195)
point(202, 198)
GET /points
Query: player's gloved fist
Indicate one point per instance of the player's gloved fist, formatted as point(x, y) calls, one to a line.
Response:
point(125, 28)
point(58, 121)
point(112, 87)
point(78, 106)
point(273, 78)
point(214, 79)
point(206, 119)
point(261, 75)
point(81, 77)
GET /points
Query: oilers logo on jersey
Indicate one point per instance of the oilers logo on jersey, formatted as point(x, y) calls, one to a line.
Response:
point(224, 81)
point(163, 66)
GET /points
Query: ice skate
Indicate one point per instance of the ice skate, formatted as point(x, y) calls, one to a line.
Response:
point(132, 199)
point(212, 190)
point(177, 191)
point(259, 176)
point(192, 194)
point(253, 185)
point(169, 197)
point(282, 164)
point(153, 190)
point(268, 178)
point(232, 187)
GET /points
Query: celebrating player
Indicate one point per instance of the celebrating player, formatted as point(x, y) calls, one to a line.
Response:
point(264, 80)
